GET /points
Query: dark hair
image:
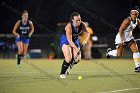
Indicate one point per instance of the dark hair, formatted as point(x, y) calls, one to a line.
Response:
point(24, 11)
point(74, 14)
point(135, 8)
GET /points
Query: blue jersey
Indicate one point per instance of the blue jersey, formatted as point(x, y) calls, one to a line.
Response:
point(75, 34)
point(24, 29)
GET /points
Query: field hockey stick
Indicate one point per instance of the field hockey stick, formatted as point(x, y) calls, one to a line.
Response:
point(137, 39)
point(134, 40)
point(73, 61)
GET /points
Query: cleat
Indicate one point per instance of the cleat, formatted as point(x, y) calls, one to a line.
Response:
point(18, 66)
point(107, 55)
point(137, 69)
point(62, 76)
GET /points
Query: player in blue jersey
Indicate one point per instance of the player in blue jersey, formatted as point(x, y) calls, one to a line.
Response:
point(23, 30)
point(69, 42)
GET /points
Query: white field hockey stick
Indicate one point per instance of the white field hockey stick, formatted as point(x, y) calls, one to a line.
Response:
point(137, 39)
point(73, 61)
point(134, 40)
point(124, 43)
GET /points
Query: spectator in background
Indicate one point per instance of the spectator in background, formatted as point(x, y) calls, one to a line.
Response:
point(88, 46)
point(6, 50)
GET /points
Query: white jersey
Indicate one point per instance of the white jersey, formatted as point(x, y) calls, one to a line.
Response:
point(127, 32)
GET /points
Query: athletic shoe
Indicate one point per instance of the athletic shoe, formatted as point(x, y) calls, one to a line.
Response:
point(137, 69)
point(18, 65)
point(62, 76)
point(107, 55)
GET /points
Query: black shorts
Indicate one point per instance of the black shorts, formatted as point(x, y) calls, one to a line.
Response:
point(126, 43)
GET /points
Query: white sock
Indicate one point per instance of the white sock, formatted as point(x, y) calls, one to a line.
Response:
point(136, 57)
point(113, 53)
point(136, 64)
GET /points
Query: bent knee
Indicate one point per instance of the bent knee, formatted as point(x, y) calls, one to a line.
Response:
point(68, 59)
point(20, 52)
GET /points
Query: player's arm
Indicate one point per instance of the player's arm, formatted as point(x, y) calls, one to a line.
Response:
point(84, 28)
point(139, 23)
point(15, 29)
point(69, 36)
point(32, 28)
point(123, 26)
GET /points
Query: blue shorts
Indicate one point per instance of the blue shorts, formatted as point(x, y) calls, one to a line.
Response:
point(63, 40)
point(23, 40)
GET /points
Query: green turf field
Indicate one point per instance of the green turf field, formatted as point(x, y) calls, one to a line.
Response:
point(42, 76)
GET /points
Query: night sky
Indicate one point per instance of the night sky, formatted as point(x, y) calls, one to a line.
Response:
point(104, 16)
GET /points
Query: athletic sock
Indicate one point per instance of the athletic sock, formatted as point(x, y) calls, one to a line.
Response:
point(18, 59)
point(112, 53)
point(136, 57)
point(64, 67)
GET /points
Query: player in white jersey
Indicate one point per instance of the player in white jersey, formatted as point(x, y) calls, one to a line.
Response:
point(125, 38)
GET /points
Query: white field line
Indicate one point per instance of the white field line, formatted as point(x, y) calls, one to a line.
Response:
point(59, 71)
point(121, 90)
